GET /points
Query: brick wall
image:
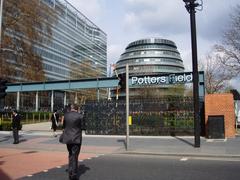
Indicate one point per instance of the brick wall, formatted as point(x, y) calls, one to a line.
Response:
point(221, 104)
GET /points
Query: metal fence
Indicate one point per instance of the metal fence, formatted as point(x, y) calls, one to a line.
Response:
point(26, 117)
point(162, 116)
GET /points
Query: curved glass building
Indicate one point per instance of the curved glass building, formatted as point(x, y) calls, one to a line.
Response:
point(150, 56)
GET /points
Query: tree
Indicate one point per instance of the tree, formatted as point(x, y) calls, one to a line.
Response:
point(156, 92)
point(24, 23)
point(229, 51)
point(86, 68)
point(217, 76)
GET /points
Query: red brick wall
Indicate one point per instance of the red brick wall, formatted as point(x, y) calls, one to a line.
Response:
point(221, 104)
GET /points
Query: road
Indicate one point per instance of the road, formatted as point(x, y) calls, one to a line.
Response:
point(41, 153)
point(147, 167)
point(40, 156)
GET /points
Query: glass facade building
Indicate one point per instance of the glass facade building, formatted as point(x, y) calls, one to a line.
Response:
point(77, 47)
point(150, 56)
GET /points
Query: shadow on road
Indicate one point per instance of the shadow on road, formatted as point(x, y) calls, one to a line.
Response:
point(3, 175)
point(122, 141)
point(5, 138)
point(22, 140)
point(82, 169)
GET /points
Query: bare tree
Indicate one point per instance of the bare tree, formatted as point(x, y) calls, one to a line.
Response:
point(229, 52)
point(217, 76)
point(86, 69)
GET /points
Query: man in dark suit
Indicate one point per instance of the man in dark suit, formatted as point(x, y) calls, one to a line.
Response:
point(72, 137)
point(15, 126)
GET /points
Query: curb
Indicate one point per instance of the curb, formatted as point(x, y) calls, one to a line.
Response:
point(194, 155)
point(49, 132)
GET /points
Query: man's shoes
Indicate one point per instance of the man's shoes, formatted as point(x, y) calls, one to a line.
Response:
point(73, 178)
point(15, 142)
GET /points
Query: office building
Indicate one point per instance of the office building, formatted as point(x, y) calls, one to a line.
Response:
point(75, 49)
point(70, 47)
point(151, 56)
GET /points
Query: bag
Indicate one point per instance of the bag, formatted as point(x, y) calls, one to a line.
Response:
point(54, 115)
point(20, 127)
point(61, 138)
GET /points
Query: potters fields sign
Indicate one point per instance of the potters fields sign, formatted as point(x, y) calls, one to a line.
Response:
point(163, 79)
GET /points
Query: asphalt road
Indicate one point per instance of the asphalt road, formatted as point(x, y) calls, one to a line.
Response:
point(148, 167)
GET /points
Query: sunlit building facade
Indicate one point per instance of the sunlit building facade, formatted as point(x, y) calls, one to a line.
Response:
point(77, 48)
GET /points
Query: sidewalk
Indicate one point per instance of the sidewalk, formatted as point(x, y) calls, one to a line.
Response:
point(184, 146)
point(153, 145)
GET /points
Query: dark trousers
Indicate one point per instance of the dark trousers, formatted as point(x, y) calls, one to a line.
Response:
point(15, 135)
point(73, 153)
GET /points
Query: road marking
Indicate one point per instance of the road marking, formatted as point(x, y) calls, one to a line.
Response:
point(183, 159)
point(209, 140)
point(216, 140)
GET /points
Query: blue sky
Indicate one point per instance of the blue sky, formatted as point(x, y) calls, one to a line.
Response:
point(125, 21)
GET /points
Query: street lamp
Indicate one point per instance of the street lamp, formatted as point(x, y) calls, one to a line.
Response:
point(191, 6)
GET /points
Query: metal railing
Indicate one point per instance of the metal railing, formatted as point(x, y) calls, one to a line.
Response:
point(162, 116)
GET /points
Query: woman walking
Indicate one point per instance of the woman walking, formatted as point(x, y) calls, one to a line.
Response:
point(55, 121)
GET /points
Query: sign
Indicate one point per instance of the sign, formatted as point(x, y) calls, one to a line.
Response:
point(176, 78)
point(129, 120)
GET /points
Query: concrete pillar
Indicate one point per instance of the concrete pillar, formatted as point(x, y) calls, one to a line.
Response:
point(37, 102)
point(97, 90)
point(18, 101)
point(65, 99)
point(76, 98)
point(98, 96)
point(52, 100)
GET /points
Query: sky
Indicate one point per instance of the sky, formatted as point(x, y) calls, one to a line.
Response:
point(125, 21)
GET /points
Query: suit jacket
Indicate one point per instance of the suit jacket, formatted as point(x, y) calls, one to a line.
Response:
point(72, 125)
point(16, 121)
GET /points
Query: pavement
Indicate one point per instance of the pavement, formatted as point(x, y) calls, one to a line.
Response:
point(159, 145)
point(39, 151)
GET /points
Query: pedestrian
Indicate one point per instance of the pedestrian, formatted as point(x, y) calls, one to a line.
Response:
point(72, 137)
point(55, 121)
point(16, 126)
point(66, 109)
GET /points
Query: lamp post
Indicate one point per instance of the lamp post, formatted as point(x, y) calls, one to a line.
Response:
point(191, 8)
point(96, 65)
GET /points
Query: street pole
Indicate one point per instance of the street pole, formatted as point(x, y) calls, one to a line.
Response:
point(190, 6)
point(127, 107)
point(98, 90)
